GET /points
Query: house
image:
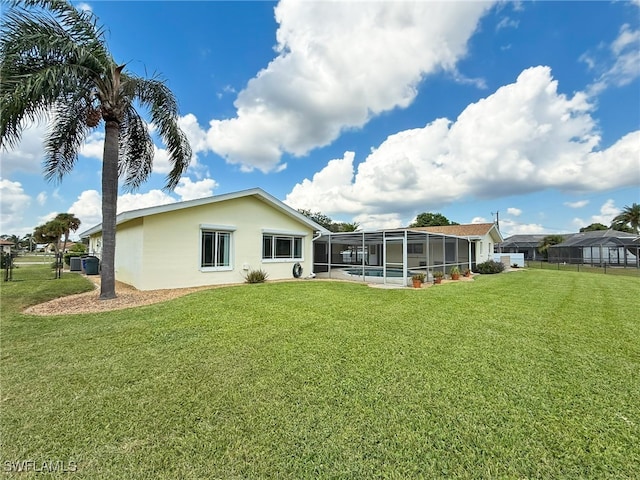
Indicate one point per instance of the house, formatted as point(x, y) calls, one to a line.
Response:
point(482, 237)
point(6, 246)
point(51, 247)
point(210, 241)
point(599, 247)
point(526, 244)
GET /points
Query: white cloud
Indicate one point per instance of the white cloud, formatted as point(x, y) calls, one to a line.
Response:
point(13, 202)
point(88, 206)
point(374, 222)
point(88, 209)
point(136, 201)
point(509, 227)
point(93, 146)
point(516, 212)
point(42, 198)
point(479, 220)
point(577, 204)
point(189, 190)
point(546, 140)
point(607, 212)
point(507, 22)
point(84, 6)
point(331, 73)
point(624, 66)
point(28, 154)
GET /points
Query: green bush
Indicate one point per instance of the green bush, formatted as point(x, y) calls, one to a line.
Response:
point(256, 276)
point(76, 251)
point(489, 267)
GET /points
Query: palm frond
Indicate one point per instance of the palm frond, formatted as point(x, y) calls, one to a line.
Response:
point(158, 98)
point(135, 161)
point(41, 60)
point(67, 133)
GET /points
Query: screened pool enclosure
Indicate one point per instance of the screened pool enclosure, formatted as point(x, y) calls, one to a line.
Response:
point(389, 256)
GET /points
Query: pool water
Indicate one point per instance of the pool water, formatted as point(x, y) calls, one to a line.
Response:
point(376, 272)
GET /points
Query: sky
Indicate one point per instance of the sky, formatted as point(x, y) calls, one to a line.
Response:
point(374, 112)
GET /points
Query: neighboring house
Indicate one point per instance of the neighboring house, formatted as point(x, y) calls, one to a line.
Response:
point(525, 244)
point(210, 241)
point(599, 247)
point(6, 246)
point(51, 248)
point(482, 237)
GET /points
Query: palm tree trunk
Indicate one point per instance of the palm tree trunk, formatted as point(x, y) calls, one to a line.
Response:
point(109, 206)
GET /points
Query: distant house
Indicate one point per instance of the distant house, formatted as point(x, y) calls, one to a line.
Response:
point(51, 248)
point(482, 236)
point(526, 244)
point(6, 246)
point(210, 241)
point(599, 247)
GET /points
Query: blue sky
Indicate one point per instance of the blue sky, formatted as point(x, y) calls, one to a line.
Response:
point(373, 112)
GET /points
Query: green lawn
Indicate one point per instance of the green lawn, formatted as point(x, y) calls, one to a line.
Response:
point(531, 374)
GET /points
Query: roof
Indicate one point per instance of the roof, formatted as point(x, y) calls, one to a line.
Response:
point(253, 192)
point(6, 242)
point(599, 237)
point(468, 230)
point(528, 240)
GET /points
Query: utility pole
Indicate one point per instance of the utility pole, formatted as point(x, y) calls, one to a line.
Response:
point(497, 214)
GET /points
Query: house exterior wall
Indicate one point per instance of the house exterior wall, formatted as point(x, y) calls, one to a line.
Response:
point(129, 252)
point(484, 249)
point(171, 241)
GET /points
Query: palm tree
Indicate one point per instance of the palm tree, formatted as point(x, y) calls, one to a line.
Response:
point(549, 241)
point(629, 216)
point(51, 232)
point(28, 241)
point(54, 61)
point(71, 223)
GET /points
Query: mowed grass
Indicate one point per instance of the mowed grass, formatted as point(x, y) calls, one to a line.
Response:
point(531, 374)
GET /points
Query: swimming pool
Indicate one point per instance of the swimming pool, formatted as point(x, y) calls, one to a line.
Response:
point(376, 272)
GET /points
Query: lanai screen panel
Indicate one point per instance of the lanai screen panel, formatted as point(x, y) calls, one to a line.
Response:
point(388, 255)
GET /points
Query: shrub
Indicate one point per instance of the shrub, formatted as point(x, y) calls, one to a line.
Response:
point(76, 251)
point(489, 267)
point(256, 276)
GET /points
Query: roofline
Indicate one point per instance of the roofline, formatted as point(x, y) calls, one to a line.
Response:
point(475, 236)
point(170, 207)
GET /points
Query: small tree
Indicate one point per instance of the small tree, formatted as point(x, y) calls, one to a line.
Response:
point(427, 219)
point(593, 227)
point(549, 241)
point(51, 232)
point(319, 218)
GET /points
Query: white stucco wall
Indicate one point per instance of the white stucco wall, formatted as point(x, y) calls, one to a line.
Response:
point(169, 256)
point(129, 252)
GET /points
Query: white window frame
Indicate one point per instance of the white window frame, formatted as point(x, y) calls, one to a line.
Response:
point(217, 229)
point(274, 234)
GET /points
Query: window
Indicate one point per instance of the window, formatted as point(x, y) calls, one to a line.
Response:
point(215, 250)
point(415, 248)
point(281, 247)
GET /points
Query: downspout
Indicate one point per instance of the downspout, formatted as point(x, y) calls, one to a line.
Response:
point(314, 252)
